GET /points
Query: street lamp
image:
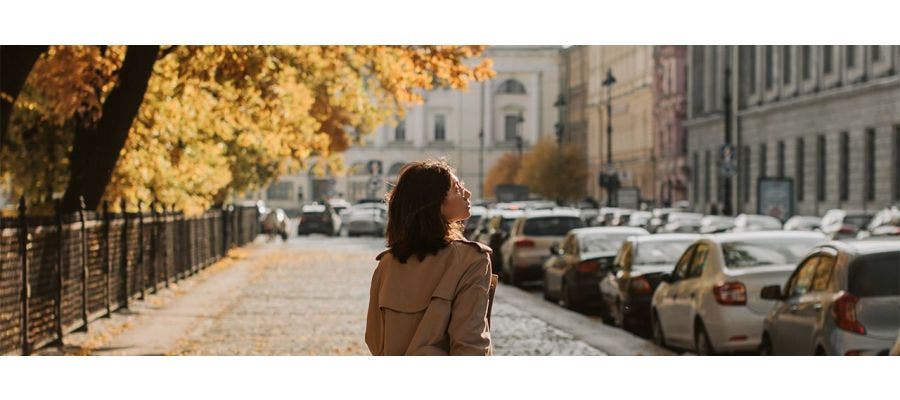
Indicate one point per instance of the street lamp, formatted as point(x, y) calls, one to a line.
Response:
point(609, 179)
point(519, 142)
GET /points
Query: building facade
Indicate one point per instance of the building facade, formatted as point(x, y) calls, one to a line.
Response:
point(517, 102)
point(669, 135)
point(632, 102)
point(827, 117)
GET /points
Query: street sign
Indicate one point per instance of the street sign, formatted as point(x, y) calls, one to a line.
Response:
point(628, 197)
point(776, 197)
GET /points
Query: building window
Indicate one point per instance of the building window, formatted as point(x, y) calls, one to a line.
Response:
point(799, 160)
point(770, 77)
point(807, 62)
point(280, 191)
point(870, 164)
point(844, 171)
point(511, 86)
point(851, 56)
point(440, 128)
point(786, 64)
point(695, 175)
point(827, 59)
point(400, 131)
point(747, 55)
point(511, 127)
point(780, 155)
point(697, 76)
point(820, 168)
point(762, 160)
point(745, 175)
point(875, 52)
point(706, 181)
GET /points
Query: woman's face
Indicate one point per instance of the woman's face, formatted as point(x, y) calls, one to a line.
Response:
point(456, 204)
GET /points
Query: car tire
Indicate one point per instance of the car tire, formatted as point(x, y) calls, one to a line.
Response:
point(702, 345)
point(659, 337)
point(765, 346)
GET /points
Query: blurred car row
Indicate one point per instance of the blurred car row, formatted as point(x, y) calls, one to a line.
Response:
point(710, 284)
point(331, 218)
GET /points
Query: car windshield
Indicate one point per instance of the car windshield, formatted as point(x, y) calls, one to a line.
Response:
point(313, 214)
point(659, 252)
point(603, 242)
point(551, 226)
point(874, 275)
point(762, 252)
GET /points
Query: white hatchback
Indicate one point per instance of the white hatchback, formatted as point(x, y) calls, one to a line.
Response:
point(711, 301)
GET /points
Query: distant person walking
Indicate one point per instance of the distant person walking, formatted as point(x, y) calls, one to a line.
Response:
point(432, 291)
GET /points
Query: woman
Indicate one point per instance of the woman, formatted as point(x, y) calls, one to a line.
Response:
point(432, 290)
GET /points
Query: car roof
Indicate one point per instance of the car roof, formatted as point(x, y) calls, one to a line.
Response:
point(313, 208)
point(661, 237)
point(608, 229)
point(736, 236)
point(556, 212)
point(865, 246)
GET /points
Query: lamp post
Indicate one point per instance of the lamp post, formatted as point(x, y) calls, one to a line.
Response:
point(609, 179)
point(519, 140)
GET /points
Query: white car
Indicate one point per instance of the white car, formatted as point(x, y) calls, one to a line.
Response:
point(711, 301)
point(528, 245)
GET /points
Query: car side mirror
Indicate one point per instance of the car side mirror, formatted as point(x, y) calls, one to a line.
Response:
point(771, 292)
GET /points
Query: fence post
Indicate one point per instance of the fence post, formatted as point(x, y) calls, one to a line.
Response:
point(154, 246)
point(84, 267)
point(165, 244)
point(26, 288)
point(176, 260)
point(106, 258)
point(140, 255)
point(60, 245)
point(224, 231)
point(123, 256)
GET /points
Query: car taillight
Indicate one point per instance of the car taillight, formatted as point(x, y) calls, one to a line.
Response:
point(523, 243)
point(588, 266)
point(640, 285)
point(730, 293)
point(844, 312)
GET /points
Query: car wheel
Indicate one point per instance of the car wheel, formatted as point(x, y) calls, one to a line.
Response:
point(765, 346)
point(701, 341)
point(658, 337)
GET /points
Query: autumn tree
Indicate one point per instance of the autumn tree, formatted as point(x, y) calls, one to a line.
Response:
point(192, 125)
point(504, 171)
point(557, 172)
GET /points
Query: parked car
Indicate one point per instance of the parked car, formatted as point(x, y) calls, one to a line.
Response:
point(579, 261)
point(589, 212)
point(681, 222)
point(710, 302)
point(475, 215)
point(803, 223)
point(366, 221)
point(605, 216)
point(716, 224)
point(317, 218)
point(840, 224)
point(529, 241)
point(621, 217)
point(639, 219)
point(636, 272)
point(340, 206)
point(895, 350)
point(660, 218)
point(495, 232)
point(756, 222)
point(842, 299)
point(274, 223)
point(885, 223)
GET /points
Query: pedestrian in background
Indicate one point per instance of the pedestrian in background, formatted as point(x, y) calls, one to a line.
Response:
point(432, 290)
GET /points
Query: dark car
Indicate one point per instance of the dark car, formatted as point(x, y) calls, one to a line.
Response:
point(318, 219)
point(472, 223)
point(584, 256)
point(494, 233)
point(842, 224)
point(636, 272)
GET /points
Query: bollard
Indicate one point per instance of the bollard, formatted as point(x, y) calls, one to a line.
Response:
point(26, 288)
point(84, 268)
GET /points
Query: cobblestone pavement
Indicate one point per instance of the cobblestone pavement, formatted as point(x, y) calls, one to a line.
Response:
point(309, 297)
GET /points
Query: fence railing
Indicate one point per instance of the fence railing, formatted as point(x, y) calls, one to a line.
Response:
point(60, 273)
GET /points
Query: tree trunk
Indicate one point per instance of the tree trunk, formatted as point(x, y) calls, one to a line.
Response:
point(96, 149)
point(15, 65)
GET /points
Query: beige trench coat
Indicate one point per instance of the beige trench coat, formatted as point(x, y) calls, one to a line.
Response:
point(439, 306)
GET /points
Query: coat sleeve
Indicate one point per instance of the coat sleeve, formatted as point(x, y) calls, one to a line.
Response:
point(374, 328)
point(469, 330)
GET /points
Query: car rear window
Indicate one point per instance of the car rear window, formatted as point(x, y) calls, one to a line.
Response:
point(603, 242)
point(757, 253)
point(876, 275)
point(858, 221)
point(659, 252)
point(551, 226)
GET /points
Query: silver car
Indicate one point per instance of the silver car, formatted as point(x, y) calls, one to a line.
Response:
point(843, 299)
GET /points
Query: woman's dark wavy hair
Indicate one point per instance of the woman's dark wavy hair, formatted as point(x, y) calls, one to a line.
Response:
point(415, 224)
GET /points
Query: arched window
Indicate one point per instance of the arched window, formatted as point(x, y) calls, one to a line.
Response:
point(511, 86)
point(395, 168)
